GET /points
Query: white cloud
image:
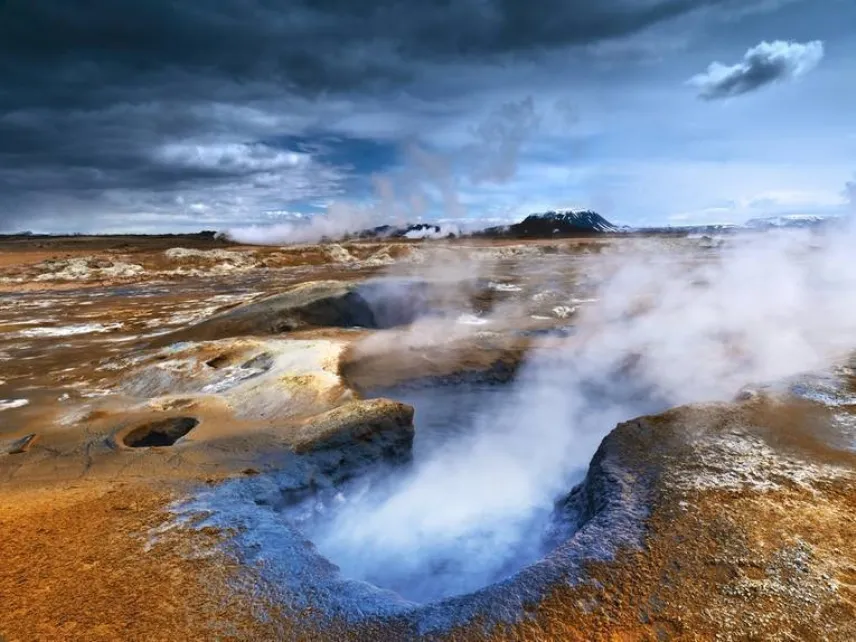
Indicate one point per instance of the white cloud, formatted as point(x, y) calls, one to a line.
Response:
point(230, 157)
point(764, 64)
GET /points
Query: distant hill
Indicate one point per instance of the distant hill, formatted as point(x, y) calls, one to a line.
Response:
point(791, 221)
point(554, 224)
point(545, 225)
point(576, 223)
point(683, 230)
point(550, 224)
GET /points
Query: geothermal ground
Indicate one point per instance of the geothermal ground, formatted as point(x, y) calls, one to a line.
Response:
point(614, 438)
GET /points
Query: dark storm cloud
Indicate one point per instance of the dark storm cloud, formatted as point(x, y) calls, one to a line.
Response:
point(54, 49)
point(128, 106)
point(767, 63)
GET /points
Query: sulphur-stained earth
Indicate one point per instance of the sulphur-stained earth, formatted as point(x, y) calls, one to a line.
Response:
point(189, 428)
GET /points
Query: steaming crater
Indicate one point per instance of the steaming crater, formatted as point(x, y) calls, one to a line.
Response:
point(480, 508)
point(493, 503)
point(450, 555)
point(394, 529)
point(491, 566)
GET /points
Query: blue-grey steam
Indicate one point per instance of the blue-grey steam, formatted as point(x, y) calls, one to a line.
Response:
point(666, 329)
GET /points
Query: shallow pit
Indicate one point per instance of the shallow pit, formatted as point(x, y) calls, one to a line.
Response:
point(220, 361)
point(19, 446)
point(165, 432)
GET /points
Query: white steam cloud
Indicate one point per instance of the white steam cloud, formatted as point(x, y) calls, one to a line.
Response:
point(668, 328)
point(500, 139)
point(427, 184)
point(338, 221)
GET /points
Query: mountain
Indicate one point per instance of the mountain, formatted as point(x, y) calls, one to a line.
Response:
point(554, 224)
point(689, 230)
point(790, 221)
point(550, 224)
point(576, 223)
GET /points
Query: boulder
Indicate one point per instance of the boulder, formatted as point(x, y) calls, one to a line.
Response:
point(358, 423)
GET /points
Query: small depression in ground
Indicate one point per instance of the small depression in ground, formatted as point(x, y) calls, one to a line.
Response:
point(164, 432)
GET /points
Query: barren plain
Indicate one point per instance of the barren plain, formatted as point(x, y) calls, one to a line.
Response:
point(405, 440)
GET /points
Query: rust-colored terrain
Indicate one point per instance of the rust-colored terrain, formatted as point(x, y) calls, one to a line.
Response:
point(137, 373)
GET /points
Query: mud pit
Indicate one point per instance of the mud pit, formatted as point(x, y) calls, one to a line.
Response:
point(164, 432)
point(370, 527)
point(441, 461)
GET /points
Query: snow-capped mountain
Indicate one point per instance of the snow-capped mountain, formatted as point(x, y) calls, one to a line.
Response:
point(789, 221)
point(792, 220)
point(682, 230)
point(572, 223)
point(546, 225)
point(555, 223)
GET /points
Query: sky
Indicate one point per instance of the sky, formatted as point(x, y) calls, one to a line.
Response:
point(182, 115)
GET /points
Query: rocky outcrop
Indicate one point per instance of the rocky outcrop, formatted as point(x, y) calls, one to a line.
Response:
point(393, 358)
point(258, 379)
point(372, 304)
point(313, 304)
point(358, 423)
point(222, 407)
point(375, 304)
point(358, 438)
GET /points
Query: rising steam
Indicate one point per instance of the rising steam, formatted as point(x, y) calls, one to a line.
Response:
point(338, 221)
point(667, 328)
point(425, 185)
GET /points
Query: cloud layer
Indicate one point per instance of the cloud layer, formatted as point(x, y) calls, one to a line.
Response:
point(762, 65)
point(174, 114)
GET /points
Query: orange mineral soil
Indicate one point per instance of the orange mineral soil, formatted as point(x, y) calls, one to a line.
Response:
point(739, 543)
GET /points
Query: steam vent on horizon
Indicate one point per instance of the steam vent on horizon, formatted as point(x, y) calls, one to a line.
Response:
point(392, 321)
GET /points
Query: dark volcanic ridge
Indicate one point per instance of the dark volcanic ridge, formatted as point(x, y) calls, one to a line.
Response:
point(546, 225)
point(579, 223)
point(552, 224)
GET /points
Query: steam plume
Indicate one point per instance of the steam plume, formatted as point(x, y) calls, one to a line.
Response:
point(427, 184)
point(666, 330)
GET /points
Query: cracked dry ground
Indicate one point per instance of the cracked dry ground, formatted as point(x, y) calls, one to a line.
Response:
point(748, 533)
